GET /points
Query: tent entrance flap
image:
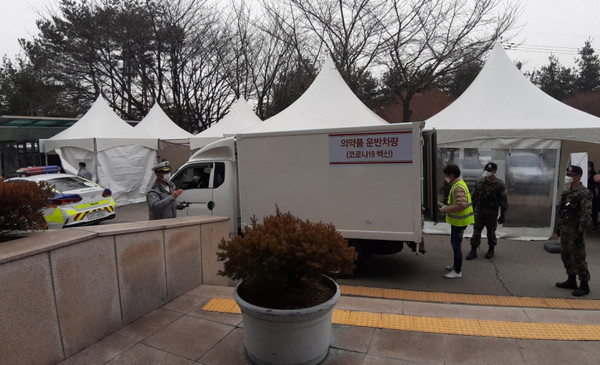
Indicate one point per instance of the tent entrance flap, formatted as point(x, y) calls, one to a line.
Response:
point(580, 159)
point(529, 174)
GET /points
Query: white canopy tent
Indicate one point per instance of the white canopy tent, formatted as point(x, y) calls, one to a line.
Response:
point(119, 157)
point(173, 141)
point(327, 103)
point(502, 115)
point(240, 117)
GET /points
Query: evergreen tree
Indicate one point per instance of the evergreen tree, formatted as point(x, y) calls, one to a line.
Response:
point(555, 79)
point(24, 92)
point(588, 69)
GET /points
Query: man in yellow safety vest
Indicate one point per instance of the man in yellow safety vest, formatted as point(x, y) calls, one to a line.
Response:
point(459, 213)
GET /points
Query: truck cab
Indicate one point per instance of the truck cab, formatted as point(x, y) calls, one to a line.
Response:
point(209, 183)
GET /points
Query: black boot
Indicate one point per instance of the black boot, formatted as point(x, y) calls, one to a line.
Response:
point(472, 254)
point(583, 289)
point(570, 283)
point(490, 253)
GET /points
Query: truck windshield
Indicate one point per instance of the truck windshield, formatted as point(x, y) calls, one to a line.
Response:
point(199, 176)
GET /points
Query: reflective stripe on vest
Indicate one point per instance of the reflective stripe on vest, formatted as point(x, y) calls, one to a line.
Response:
point(464, 217)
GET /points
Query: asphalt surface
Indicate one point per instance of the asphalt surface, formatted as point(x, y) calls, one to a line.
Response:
point(519, 268)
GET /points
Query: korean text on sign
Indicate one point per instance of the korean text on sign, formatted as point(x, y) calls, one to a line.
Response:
point(368, 148)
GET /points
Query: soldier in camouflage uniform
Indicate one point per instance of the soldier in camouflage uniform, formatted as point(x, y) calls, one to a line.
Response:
point(489, 195)
point(572, 219)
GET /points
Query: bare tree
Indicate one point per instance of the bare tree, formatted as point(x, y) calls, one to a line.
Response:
point(429, 39)
point(136, 54)
point(191, 85)
point(349, 31)
point(254, 58)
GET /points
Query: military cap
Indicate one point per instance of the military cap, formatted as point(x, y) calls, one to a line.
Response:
point(575, 170)
point(162, 167)
point(490, 166)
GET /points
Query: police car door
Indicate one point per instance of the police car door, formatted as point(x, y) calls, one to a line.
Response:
point(196, 180)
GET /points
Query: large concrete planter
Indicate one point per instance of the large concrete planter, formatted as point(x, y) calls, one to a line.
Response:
point(297, 336)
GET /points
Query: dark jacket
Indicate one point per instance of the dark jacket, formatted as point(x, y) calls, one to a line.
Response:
point(574, 210)
point(488, 196)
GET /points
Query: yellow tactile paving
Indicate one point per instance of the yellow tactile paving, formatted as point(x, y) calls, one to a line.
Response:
point(591, 332)
point(564, 331)
point(397, 322)
point(341, 317)
point(458, 326)
point(222, 305)
point(365, 319)
point(493, 300)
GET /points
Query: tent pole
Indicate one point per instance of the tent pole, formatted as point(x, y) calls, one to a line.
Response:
point(96, 161)
point(43, 147)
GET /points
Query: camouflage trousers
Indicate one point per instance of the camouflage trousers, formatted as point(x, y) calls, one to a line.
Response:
point(489, 221)
point(572, 253)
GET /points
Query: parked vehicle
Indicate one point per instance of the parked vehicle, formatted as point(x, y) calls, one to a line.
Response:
point(471, 171)
point(367, 181)
point(77, 201)
point(526, 173)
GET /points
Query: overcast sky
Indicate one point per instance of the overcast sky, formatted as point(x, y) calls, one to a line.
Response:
point(556, 27)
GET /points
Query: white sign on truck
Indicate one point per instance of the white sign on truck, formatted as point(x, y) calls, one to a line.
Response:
point(370, 148)
point(367, 181)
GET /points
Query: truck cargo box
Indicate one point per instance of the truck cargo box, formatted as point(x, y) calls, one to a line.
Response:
point(365, 180)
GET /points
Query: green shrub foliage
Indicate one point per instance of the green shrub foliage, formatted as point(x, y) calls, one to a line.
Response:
point(285, 250)
point(22, 205)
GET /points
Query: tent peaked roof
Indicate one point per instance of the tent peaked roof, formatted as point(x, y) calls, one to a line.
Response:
point(240, 117)
point(327, 103)
point(158, 125)
point(502, 98)
point(99, 126)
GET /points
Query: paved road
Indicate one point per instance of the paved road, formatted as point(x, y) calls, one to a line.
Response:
point(520, 268)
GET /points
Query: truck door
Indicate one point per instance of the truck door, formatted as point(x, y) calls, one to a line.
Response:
point(429, 174)
point(197, 181)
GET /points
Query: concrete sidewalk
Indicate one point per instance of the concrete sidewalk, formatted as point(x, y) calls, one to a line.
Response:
point(182, 333)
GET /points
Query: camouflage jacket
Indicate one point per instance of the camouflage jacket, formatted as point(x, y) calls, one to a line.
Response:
point(575, 209)
point(488, 196)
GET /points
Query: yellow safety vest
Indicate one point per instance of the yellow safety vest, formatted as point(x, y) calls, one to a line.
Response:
point(464, 217)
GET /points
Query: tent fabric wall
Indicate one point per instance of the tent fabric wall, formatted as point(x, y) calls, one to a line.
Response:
point(502, 110)
point(327, 103)
point(240, 117)
point(174, 151)
point(125, 170)
point(119, 157)
point(100, 128)
point(173, 141)
point(158, 125)
point(531, 188)
point(502, 103)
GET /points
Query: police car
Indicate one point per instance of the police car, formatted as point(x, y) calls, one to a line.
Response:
point(77, 201)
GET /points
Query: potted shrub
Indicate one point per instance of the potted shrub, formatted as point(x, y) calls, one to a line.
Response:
point(22, 207)
point(283, 263)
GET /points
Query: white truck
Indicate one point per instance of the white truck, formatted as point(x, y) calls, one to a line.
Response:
point(367, 181)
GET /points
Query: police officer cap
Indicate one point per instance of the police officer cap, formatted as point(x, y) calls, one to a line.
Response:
point(162, 167)
point(574, 170)
point(491, 167)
